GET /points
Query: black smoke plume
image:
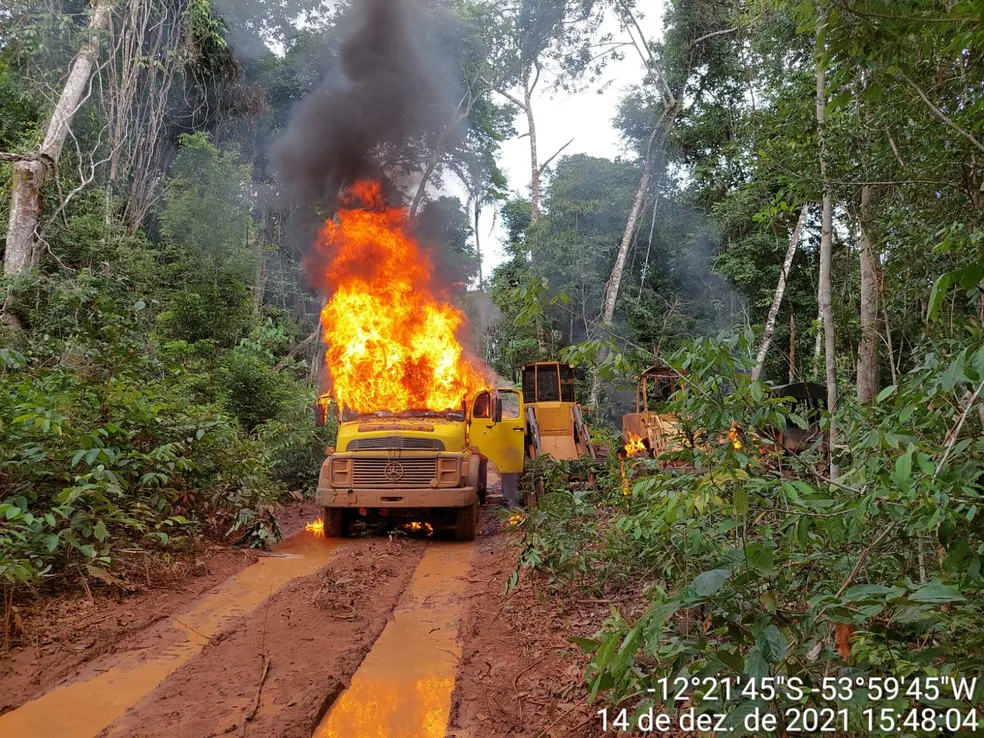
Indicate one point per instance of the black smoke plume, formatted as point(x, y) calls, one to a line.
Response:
point(382, 94)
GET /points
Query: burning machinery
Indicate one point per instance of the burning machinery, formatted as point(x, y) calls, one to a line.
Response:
point(648, 432)
point(418, 419)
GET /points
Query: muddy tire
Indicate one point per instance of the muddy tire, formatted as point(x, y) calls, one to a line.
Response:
point(483, 482)
point(467, 523)
point(336, 526)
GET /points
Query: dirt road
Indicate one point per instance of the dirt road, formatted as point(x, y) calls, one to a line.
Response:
point(380, 636)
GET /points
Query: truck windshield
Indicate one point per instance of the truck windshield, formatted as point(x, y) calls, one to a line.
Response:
point(351, 415)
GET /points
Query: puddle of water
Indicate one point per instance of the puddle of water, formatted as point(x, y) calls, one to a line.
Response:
point(83, 709)
point(403, 687)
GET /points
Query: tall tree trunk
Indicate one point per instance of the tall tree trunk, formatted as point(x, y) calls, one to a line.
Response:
point(660, 133)
point(534, 155)
point(792, 345)
point(478, 242)
point(614, 285)
point(541, 331)
point(787, 265)
point(460, 114)
point(30, 174)
point(826, 261)
point(868, 360)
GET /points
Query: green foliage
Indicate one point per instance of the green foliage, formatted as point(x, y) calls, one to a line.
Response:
point(207, 223)
point(754, 565)
point(91, 462)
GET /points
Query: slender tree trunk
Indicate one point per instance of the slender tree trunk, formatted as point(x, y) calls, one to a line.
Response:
point(436, 155)
point(792, 345)
point(534, 155)
point(660, 133)
point(826, 262)
point(868, 360)
point(418, 198)
point(30, 175)
point(787, 265)
point(541, 331)
point(478, 242)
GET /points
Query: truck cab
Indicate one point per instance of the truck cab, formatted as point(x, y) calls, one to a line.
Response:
point(421, 466)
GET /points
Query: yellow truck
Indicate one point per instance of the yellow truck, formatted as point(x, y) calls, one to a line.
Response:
point(423, 466)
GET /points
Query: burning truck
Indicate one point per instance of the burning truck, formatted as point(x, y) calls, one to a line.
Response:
point(419, 421)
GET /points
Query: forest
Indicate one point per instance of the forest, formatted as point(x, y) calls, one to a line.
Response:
point(799, 199)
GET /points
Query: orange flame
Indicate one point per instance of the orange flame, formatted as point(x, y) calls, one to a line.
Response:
point(317, 527)
point(634, 445)
point(392, 342)
point(416, 527)
point(734, 435)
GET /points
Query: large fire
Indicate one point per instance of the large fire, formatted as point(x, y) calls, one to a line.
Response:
point(634, 445)
point(392, 342)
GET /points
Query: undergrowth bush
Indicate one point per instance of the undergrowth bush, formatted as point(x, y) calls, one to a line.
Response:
point(755, 564)
point(110, 439)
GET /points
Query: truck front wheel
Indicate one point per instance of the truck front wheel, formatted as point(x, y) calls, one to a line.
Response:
point(336, 526)
point(467, 527)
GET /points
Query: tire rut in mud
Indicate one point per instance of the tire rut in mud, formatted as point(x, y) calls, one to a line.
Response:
point(518, 675)
point(315, 633)
point(68, 636)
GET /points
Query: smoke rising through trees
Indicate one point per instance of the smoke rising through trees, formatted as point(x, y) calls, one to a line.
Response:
point(383, 93)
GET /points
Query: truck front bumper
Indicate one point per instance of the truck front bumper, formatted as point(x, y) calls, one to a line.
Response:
point(396, 498)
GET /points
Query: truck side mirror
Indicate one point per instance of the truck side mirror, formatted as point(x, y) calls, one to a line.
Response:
point(320, 415)
point(497, 410)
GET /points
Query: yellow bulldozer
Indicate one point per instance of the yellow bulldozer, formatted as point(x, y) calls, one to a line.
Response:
point(555, 418)
point(648, 431)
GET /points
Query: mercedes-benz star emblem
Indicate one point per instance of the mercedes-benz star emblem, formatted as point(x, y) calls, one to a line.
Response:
point(394, 471)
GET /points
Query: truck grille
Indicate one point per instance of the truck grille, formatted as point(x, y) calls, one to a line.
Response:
point(405, 472)
point(395, 443)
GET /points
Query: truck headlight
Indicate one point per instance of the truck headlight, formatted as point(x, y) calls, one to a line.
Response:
point(341, 472)
point(448, 471)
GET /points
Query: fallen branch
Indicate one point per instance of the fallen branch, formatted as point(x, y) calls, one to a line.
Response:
point(955, 433)
point(787, 266)
point(545, 732)
point(863, 557)
point(7, 156)
point(259, 691)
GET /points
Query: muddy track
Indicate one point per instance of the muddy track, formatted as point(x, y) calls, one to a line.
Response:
point(409, 637)
point(309, 638)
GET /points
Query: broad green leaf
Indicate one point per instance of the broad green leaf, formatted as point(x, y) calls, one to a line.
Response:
point(958, 551)
point(902, 476)
point(709, 582)
point(587, 645)
point(936, 296)
point(860, 592)
point(761, 559)
point(99, 532)
point(772, 643)
point(731, 659)
point(936, 592)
